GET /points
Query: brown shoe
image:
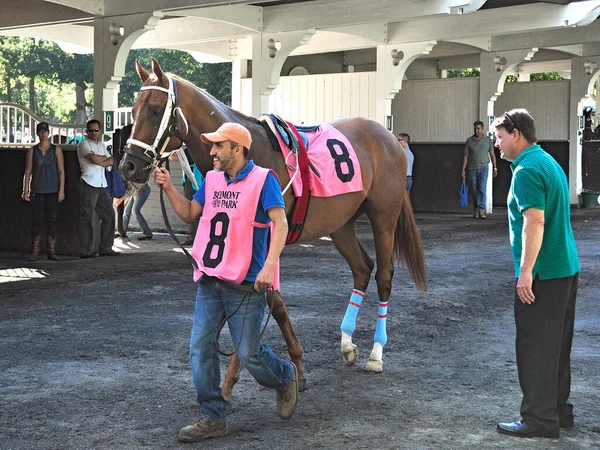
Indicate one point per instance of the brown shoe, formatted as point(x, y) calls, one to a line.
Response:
point(476, 215)
point(201, 430)
point(52, 248)
point(287, 397)
point(482, 214)
point(35, 248)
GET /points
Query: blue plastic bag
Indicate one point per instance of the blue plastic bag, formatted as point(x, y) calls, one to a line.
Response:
point(464, 194)
point(116, 185)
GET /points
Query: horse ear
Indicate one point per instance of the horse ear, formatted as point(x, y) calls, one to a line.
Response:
point(143, 73)
point(156, 69)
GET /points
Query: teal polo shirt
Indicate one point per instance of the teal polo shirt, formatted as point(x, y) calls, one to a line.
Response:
point(539, 182)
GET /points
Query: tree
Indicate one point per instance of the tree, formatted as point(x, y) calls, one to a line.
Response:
point(214, 78)
point(545, 76)
point(11, 57)
point(464, 73)
point(78, 69)
point(39, 57)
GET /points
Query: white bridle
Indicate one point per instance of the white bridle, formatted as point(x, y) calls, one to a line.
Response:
point(171, 109)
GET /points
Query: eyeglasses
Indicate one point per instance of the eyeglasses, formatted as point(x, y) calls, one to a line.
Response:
point(512, 122)
point(93, 131)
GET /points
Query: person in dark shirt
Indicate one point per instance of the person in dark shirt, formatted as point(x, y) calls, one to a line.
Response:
point(44, 187)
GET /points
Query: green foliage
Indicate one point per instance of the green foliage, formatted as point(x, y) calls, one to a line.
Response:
point(52, 72)
point(214, 78)
point(464, 73)
point(509, 79)
point(545, 76)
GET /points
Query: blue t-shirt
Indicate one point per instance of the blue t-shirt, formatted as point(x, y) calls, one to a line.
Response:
point(270, 197)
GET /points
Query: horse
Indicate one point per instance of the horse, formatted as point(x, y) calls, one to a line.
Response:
point(164, 122)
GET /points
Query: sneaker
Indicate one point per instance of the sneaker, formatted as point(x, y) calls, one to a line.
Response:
point(476, 215)
point(287, 397)
point(144, 238)
point(201, 430)
point(482, 214)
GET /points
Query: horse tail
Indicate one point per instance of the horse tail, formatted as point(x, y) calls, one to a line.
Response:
point(408, 246)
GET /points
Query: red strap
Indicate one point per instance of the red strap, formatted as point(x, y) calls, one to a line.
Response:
point(301, 204)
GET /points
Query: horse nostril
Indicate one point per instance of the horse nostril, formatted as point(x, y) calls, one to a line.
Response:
point(129, 167)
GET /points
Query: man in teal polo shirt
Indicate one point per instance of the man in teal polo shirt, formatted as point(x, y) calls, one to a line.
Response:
point(547, 269)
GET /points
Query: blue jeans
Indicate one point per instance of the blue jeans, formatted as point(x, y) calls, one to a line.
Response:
point(215, 301)
point(136, 204)
point(477, 186)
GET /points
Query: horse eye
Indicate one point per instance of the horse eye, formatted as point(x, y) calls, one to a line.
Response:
point(157, 112)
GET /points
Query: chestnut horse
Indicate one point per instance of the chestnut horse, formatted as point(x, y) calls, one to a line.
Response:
point(170, 111)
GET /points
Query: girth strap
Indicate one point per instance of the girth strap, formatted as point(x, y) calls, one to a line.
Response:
point(301, 204)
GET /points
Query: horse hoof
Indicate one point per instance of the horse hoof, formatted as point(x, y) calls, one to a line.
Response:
point(301, 384)
point(350, 356)
point(374, 366)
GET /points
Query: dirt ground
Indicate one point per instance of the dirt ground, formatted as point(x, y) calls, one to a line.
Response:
point(94, 353)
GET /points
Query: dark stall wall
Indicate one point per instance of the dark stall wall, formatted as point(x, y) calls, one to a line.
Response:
point(437, 175)
point(15, 214)
point(559, 150)
point(591, 165)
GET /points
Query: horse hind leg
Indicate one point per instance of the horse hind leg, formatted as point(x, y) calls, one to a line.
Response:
point(383, 223)
point(347, 243)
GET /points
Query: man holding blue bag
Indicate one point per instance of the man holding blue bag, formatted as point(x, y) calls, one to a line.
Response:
point(479, 150)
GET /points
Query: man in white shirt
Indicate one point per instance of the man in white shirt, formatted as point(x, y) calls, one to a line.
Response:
point(404, 141)
point(93, 195)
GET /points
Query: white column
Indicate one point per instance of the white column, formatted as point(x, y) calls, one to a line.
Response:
point(110, 55)
point(269, 52)
point(495, 67)
point(238, 71)
point(392, 62)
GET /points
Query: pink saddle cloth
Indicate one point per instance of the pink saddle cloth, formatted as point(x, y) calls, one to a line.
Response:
point(332, 156)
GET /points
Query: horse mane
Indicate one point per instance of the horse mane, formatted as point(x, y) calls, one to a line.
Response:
point(213, 98)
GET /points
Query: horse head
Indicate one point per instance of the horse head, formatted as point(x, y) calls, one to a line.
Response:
point(159, 125)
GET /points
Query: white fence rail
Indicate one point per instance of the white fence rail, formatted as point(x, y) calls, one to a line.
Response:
point(17, 128)
point(123, 117)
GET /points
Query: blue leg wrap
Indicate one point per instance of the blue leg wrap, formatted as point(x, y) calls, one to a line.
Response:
point(349, 322)
point(380, 329)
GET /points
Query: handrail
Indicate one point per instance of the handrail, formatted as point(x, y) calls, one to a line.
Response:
point(123, 117)
point(18, 123)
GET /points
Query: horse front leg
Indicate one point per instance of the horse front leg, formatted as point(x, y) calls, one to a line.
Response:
point(383, 233)
point(295, 350)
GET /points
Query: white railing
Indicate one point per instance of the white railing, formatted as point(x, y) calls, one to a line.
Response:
point(123, 117)
point(17, 128)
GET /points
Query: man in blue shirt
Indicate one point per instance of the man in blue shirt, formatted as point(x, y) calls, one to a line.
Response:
point(217, 298)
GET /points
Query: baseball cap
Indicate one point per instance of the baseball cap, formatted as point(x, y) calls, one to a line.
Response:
point(42, 126)
point(229, 131)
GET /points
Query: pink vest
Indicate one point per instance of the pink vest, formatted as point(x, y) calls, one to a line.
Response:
point(223, 244)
